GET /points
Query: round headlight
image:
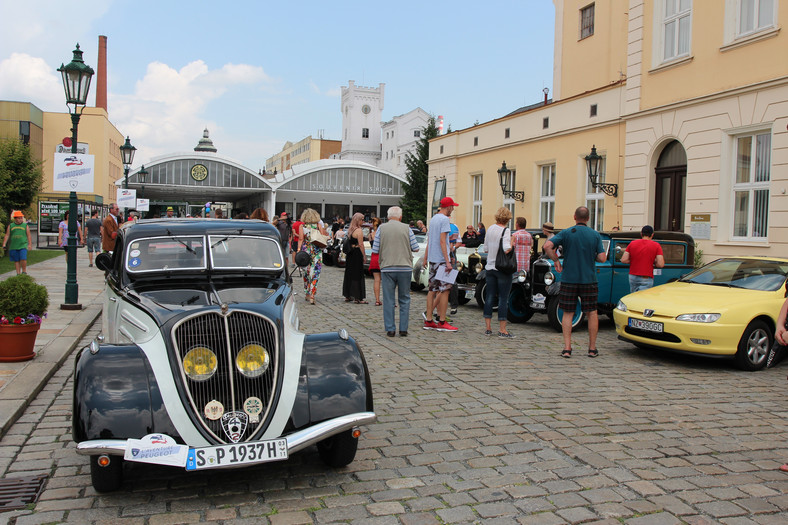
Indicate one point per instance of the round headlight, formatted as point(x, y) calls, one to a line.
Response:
point(549, 278)
point(252, 360)
point(199, 363)
point(521, 275)
point(460, 266)
point(478, 268)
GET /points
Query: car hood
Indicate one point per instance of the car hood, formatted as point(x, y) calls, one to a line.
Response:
point(677, 298)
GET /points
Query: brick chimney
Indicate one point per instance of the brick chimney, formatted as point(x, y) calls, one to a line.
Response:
point(101, 74)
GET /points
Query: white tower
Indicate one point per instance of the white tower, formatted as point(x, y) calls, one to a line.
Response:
point(362, 108)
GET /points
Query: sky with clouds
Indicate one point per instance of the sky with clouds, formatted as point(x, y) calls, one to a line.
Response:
point(258, 74)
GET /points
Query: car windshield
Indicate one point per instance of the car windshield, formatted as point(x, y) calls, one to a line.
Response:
point(245, 252)
point(166, 253)
point(752, 274)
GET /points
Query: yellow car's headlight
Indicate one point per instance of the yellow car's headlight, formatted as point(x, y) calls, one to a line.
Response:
point(699, 318)
point(252, 360)
point(199, 363)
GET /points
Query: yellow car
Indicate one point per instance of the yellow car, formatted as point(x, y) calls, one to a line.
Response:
point(728, 307)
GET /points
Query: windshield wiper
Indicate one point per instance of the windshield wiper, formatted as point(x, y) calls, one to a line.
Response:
point(727, 285)
point(188, 248)
point(219, 242)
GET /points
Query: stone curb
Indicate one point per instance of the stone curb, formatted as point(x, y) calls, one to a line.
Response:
point(26, 385)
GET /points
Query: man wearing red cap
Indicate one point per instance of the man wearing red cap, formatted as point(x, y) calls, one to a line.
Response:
point(438, 256)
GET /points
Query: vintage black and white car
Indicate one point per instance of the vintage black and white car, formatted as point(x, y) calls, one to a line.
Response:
point(201, 363)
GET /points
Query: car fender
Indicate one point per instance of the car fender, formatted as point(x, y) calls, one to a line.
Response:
point(116, 395)
point(334, 380)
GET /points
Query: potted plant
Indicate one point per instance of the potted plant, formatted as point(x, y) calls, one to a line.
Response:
point(23, 303)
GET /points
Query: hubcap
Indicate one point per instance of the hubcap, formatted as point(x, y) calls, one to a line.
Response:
point(757, 346)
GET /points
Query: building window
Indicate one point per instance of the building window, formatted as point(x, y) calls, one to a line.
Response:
point(547, 194)
point(592, 112)
point(475, 141)
point(438, 193)
point(545, 122)
point(595, 199)
point(441, 150)
point(751, 186)
point(755, 15)
point(364, 133)
point(587, 21)
point(506, 133)
point(676, 26)
point(417, 133)
point(477, 198)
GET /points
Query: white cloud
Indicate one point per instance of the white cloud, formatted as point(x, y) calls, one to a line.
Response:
point(30, 79)
point(165, 114)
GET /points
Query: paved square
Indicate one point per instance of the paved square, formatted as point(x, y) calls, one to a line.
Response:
point(471, 429)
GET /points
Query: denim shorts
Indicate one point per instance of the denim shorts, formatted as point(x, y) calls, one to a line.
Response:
point(94, 244)
point(17, 255)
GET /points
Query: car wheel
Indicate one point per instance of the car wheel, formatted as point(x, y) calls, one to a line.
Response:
point(754, 346)
point(462, 298)
point(109, 478)
point(338, 450)
point(555, 314)
point(519, 310)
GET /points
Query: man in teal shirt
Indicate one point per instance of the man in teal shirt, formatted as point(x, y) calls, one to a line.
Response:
point(581, 248)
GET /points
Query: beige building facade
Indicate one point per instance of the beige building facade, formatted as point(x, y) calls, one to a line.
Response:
point(301, 152)
point(691, 117)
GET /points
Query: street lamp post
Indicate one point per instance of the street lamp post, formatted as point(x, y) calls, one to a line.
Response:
point(505, 180)
point(76, 83)
point(594, 161)
point(142, 174)
point(127, 157)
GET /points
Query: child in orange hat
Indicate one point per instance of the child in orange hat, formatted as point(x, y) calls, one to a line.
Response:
point(20, 241)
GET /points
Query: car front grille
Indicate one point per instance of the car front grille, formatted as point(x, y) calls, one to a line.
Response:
point(226, 403)
point(658, 336)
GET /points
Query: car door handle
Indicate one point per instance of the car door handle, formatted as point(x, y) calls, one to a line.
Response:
point(113, 299)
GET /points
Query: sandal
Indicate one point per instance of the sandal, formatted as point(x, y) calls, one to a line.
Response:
point(347, 299)
point(362, 302)
point(784, 468)
point(566, 353)
point(593, 352)
point(378, 303)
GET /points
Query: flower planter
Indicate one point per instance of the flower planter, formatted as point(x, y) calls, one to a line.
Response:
point(17, 342)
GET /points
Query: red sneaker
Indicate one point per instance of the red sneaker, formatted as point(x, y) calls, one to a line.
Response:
point(445, 327)
point(430, 325)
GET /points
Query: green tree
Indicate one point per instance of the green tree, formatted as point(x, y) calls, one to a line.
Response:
point(21, 176)
point(414, 201)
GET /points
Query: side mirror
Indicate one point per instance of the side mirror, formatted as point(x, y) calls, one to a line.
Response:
point(104, 262)
point(302, 259)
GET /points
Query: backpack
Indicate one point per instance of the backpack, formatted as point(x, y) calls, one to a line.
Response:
point(346, 245)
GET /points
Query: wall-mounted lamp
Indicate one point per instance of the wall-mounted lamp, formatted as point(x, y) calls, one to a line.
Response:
point(504, 178)
point(594, 161)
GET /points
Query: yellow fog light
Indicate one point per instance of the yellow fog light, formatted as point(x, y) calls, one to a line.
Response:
point(199, 363)
point(252, 360)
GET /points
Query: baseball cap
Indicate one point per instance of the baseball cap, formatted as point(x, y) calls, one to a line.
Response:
point(283, 214)
point(448, 201)
point(647, 230)
point(17, 213)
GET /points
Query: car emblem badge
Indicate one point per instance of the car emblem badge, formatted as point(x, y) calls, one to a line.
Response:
point(648, 312)
point(234, 425)
point(253, 406)
point(214, 410)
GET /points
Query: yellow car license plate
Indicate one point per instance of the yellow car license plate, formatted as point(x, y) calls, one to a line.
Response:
point(649, 326)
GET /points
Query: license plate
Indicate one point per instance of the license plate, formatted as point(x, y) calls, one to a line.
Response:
point(538, 306)
point(237, 454)
point(649, 326)
point(469, 294)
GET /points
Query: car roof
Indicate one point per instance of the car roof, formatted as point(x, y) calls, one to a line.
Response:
point(190, 226)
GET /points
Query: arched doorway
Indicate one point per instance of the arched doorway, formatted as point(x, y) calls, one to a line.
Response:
point(671, 188)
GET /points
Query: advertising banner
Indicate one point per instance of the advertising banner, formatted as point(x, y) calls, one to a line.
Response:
point(143, 204)
point(127, 198)
point(73, 172)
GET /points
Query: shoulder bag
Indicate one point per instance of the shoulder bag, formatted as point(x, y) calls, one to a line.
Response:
point(317, 238)
point(505, 263)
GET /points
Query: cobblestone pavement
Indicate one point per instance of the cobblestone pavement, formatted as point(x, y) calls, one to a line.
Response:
point(471, 430)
